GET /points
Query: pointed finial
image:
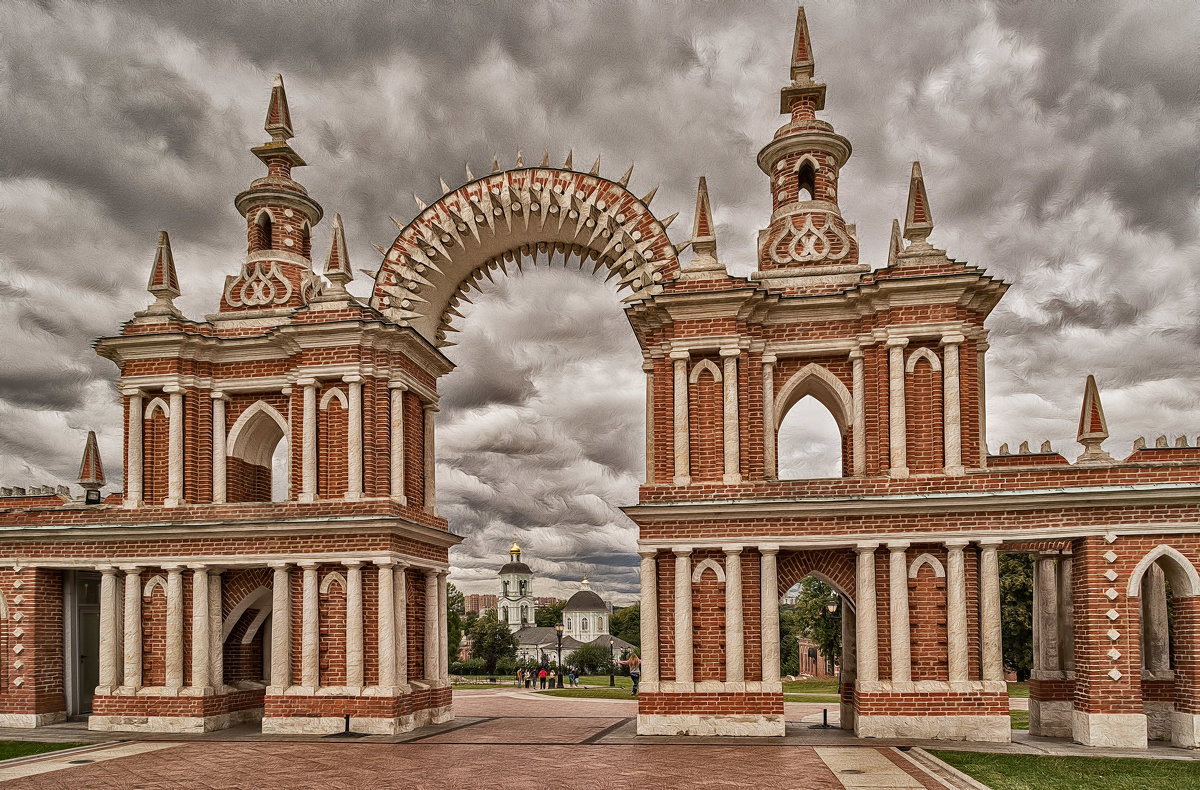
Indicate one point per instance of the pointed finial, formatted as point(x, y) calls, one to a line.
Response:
point(1046, 447)
point(650, 196)
point(624, 180)
point(470, 176)
point(918, 219)
point(279, 119)
point(164, 283)
point(802, 58)
point(337, 263)
point(895, 244)
point(545, 157)
point(420, 203)
point(495, 163)
point(595, 171)
point(570, 156)
point(1093, 428)
point(704, 230)
point(520, 160)
point(445, 188)
point(91, 471)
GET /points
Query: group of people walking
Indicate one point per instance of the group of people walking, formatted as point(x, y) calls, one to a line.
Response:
point(543, 678)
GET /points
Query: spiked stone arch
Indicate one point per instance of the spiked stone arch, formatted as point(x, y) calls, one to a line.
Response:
point(511, 215)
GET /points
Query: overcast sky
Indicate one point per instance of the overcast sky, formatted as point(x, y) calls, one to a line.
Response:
point(1060, 144)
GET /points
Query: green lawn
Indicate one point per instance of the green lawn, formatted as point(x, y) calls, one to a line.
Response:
point(1019, 690)
point(822, 686)
point(811, 698)
point(482, 685)
point(1035, 772)
point(1020, 719)
point(11, 749)
point(592, 693)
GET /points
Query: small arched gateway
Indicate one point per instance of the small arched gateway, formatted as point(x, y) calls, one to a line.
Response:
point(330, 604)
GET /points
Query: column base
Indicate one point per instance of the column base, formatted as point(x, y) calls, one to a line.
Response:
point(1185, 730)
point(31, 720)
point(1121, 730)
point(1160, 723)
point(707, 724)
point(177, 724)
point(1051, 718)
point(985, 729)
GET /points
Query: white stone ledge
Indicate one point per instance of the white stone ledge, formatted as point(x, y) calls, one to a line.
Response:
point(303, 725)
point(713, 687)
point(1185, 730)
point(698, 724)
point(931, 687)
point(1123, 730)
point(991, 729)
point(31, 720)
point(179, 724)
point(1051, 718)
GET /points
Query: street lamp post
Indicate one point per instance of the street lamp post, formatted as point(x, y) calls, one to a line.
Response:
point(612, 670)
point(832, 608)
point(559, 628)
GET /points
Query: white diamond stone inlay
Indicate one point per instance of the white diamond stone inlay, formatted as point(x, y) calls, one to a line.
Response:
point(1111, 575)
point(18, 649)
point(19, 599)
point(1112, 614)
point(1114, 654)
point(1115, 674)
point(18, 584)
point(1110, 537)
point(1111, 593)
point(18, 664)
point(19, 681)
point(1114, 634)
point(1110, 555)
point(18, 632)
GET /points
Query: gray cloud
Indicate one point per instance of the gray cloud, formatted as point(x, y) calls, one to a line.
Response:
point(1059, 143)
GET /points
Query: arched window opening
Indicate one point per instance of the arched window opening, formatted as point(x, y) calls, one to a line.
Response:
point(261, 232)
point(810, 631)
point(810, 442)
point(257, 462)
point(806, 181)
point(306, 241)
point(506, 593)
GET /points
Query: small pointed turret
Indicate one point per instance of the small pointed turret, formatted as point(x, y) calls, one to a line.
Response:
point(803, 97)
point(279, 119)
point(1093, 428)
point(164, 283)
point(704, 239)
point(918, 218)
point(802, 59)
point(337, 263)
point(895, 243)
point(91, 470)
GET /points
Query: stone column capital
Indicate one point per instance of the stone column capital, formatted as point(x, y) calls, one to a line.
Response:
point(956, 543)
point(897, 342)
point(172, 389)
point(769, 548)
point(133, 392)
point(197, 566)
point(896, 546)
point(682, 551)
point(218, 395)
point(431, 573)
point(131, 570)
point(866, 548)
point(430, 407)
point(384, 562)
point(352, 378)
point(351, 563)
point(680, 355)
point(172, 567)
point(107, 570)
point(730, 351)
point(856, 353)
point(953, 339)
point(397, 385)
point(307, 381)
point(769, 359)
point(648, 366)
point(279, 565)
point(990, 543)
point(308, 565)
point(730, 550)
point(648, 553)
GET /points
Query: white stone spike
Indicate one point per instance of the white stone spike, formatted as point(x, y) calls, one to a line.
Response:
point(567, 165)
point(545, 158)
point(666, 223)
point(470, 176)
point(650, 196)
point(382, 250)
point(679, 248)
point(445, 189)
point(520, 160)
point(420, 203)
point(595, 171)
point(624, 180)
point(495, 163)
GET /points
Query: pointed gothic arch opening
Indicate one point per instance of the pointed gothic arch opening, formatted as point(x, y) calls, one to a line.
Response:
point(806, 179)
point(260, 231)
point(257, 446)
point(813, 415)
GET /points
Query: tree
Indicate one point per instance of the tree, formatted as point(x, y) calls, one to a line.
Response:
point(810, 618)
point(455, 611)
point(591, 659)
point(627, 624)
point(1016, 613)
point(549, 616)
point(491, 641)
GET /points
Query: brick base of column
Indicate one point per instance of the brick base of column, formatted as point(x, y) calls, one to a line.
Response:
point(147, 711)
point(1158, 703)
point(1124, 730)
point(711, 713)
point(371, 712)
point(1051, 704)
point(933, 710)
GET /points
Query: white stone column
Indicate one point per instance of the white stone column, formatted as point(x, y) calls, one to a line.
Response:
point(281, 628)
point(683, 450)
point(431, 410)
point(354, 624)
point(201, 638)
point(396, 452)
point(432, 646)
point(219, 473)
point(354, 439)
point(897, 414)
point(133, 458)
point(859, 426)
point(1157, 631)
point(133, 627)
point(443, 628)
point(867, 637)
point(1045, 616)
point(649, 612)
point(951, 407)
point(400, 609)
point(769, 601)
point(901, 644)
point(1066, 613)
point(683, 615)
point(956, 611)
point(989, 611)
point(174, 447)
point(981, 348)
point(735, 623)
point(731, 428)
point(769, 460)
point(110, 630)
point(216, 646)
point(648, 369)
point(386, 624)
point(308, 441)
point(174, 646)
point(310, 627)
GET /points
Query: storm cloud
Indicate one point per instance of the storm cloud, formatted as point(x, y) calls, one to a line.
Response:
point(1059, 142)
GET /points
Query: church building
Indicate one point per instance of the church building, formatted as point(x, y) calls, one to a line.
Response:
point(516, 605)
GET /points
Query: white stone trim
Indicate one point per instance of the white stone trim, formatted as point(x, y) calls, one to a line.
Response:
point(897, 414)
point(330, 579)
point(770, 426)
point(1121, 730)
point(700, 367)
point(252, 599)
point(939, 570)
point(1185, 581)
point(157, 580)
point(28, 721)
point(708, 724)
point(648, 573)
point(925, 354)
point(683, 616)
point(987, 729)
point(252, 449)
point(330, 394)
point(683, 464)
point(255, 624)
point(708, 564)
point(859, 428)
point(901, 644)
point(816, 380)
point(157, 404)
